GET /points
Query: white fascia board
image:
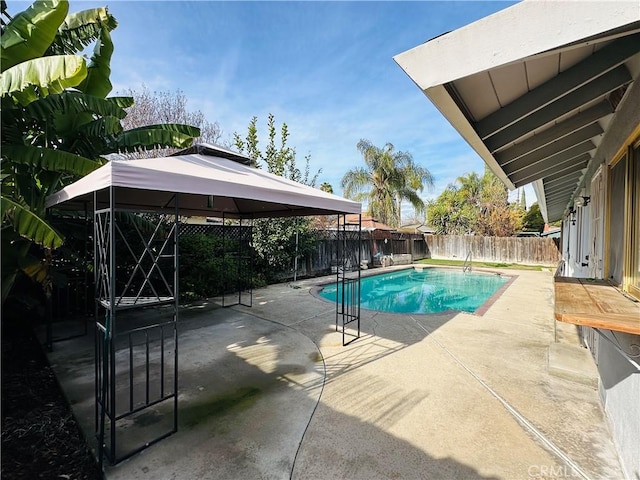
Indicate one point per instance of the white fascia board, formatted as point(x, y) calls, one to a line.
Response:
point(513, 34)
point(449, 109)
point(538, 188)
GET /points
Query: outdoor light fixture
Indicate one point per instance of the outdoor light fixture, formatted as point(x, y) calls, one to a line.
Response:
point(572, 212)
point(582, 201)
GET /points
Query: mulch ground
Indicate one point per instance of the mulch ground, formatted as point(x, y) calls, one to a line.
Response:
point(40, 437)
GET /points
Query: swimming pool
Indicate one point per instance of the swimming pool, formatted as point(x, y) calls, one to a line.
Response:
point(431, 290)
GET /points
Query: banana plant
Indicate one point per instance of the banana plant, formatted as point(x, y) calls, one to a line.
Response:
point(58, 122)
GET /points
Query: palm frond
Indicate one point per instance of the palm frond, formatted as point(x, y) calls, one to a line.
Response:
point(354, 181)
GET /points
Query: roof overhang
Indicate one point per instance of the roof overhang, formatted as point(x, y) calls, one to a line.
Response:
point(534, 88)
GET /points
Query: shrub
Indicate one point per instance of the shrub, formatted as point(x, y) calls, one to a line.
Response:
point(210, 266)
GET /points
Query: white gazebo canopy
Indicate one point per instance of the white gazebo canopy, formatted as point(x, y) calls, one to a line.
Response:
point(208, 185)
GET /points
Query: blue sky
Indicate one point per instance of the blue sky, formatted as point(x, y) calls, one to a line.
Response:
point(324, 68)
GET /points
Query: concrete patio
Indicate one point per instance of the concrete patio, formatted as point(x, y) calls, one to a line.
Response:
point(270, 392)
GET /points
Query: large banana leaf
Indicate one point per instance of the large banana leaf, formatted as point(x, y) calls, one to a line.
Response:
point(40, 77)
point(80, 29)
point(156, 136)
point(29, 225)
point(97, 82)
point(49, 159)
point(102, 127)
point(30, 33)
point(72, 103)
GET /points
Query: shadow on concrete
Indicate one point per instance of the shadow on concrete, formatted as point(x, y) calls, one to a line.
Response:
point(249, 389)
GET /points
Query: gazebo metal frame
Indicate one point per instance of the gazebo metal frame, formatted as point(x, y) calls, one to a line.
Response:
point(184, 184)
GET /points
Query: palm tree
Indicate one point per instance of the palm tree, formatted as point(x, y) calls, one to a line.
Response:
point(388, 178)
point(470, 188)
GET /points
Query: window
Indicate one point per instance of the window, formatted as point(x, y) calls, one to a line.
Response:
point(634, 274)
point(623, 222)
point(615, 250)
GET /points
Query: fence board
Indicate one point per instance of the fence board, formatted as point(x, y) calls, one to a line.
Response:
point(525, 250)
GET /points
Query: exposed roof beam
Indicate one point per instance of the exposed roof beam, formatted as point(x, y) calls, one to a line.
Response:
point(591, 91)
point(566, 154)
point(562, 84)
point(562, 191)
point(553, 179)
point(569, 186)
point(570, 175)
point(559, 205)
point(529, 175)
point(561, 145)
point(557, 212)
point(561, 201)
point(556, 132)
point(561, 186)
point(561, 195)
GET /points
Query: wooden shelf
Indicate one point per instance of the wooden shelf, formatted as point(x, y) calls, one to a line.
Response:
point(595, 303)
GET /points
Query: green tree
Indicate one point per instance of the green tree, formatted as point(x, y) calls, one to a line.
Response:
point(326, 187)
point(57, 123)
point(475, 205)
point(523, 200)
point(274, 240)
point(387, 179)
point(533, 221)
point(496, 216)
point(450, 214)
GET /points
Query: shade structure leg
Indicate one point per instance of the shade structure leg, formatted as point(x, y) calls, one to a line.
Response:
point(136, 367)
point(348, 278)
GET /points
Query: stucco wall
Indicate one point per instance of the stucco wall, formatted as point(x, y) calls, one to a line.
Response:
point(620, 394)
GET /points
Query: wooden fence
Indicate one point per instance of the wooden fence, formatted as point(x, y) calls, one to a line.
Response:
point(372, 244)
point(526, 250)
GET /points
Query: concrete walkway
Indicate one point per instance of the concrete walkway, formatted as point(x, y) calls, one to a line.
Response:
point(451, 396)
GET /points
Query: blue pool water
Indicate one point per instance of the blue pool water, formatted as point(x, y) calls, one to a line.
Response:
point(428, 291)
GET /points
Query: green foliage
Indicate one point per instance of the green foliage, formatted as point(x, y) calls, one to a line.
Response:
point(52, 136)
point(208, 266)
point(475, 205)
point(451, 214)
point(533, 221)
point(274, 240)
point(326, 187)
point(388, 178)
point(30, 33)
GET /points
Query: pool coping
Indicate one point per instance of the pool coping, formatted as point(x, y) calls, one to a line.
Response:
point(480, 311)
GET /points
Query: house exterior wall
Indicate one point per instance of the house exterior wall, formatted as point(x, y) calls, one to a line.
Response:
point(619, 389)
point(615, 353)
